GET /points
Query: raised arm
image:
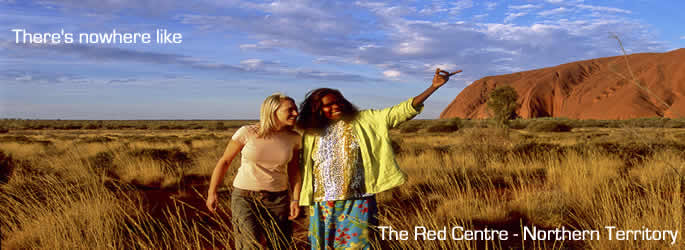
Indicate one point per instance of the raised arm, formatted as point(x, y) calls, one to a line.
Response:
point(441, 77)
point(233, 148)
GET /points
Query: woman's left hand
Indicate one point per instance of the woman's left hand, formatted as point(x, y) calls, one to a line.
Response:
point(441, 77)
point(294, 210)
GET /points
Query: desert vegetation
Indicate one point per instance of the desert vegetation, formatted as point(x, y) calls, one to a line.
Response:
point(143, 185)
point(502, 104)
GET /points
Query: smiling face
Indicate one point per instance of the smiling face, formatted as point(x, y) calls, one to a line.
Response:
point(331, 107)
point(286, 114)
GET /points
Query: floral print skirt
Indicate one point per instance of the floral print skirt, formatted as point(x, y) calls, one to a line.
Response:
point(344, 224)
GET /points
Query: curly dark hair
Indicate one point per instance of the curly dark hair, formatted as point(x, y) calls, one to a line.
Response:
point(311, 117)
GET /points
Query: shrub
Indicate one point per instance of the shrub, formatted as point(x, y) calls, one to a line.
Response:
point(548, 126)
point(534, 149)
point(410, 127)
point(674, 124)
point(648, 122)
point(16, 138)
point(450, 125)
point(97, 139)
point(73, 126)
point(91, 126)
point(220, 126)
point(519, 124)
point(502, 103)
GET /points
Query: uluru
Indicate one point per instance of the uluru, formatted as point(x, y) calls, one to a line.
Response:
point(599, 88)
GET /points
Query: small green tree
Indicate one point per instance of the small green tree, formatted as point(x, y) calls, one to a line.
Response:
point(502, 104)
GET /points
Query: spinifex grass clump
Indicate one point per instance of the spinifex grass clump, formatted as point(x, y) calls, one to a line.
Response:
point(116, 193)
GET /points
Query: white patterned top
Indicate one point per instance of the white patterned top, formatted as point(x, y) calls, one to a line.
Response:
point(338, 165)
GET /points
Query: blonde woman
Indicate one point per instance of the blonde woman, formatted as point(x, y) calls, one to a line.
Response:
point(260, 203)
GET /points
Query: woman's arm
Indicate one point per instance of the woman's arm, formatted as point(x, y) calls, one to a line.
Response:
point(295, 183)
point(399, 113)
point(231, 151)
point(441, 77)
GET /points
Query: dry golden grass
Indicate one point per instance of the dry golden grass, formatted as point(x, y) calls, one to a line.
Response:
point(144, 188)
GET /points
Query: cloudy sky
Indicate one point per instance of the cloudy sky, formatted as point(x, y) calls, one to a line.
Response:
point(235, 53)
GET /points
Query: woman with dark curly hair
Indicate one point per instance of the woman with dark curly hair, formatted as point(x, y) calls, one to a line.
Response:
point(346, 159)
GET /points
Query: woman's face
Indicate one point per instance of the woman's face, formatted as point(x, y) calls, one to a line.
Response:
point(330, 105)
point(286, 114)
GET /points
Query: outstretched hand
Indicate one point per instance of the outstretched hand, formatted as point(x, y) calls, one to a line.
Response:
point(441, 77)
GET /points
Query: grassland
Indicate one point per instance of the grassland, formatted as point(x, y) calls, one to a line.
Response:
point(142, 185)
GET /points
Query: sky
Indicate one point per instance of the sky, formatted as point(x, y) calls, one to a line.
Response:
point(232, 54)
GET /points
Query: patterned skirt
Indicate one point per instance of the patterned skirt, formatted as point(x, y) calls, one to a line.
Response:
point(342, 224)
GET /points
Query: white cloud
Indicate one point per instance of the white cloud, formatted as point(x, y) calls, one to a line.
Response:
point(481, 16)
point(248, 46)
point(393, 74)
point(602, 8)
point(252, 64)
point(552, 12)
point(511, 16)
point(312, 28)
point(682, 37)
point(505, 69)
point(368, 46)
point(389, 37)
point(262, 45)
point(146, 7)
point(501, 51)
point(395, 41)
point(387, 11)
point(415, 46)
point(24, 78)
point(525, 7)
point(458, 6)
point(442, 66)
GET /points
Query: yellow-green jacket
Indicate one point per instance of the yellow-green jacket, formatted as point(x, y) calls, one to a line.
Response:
point(381, 171)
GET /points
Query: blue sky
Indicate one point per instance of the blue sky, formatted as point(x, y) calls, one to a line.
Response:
point(235, 53)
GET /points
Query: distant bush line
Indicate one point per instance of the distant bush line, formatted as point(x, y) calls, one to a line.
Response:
point(537, 124)
point(437, 125)
point(22, 124)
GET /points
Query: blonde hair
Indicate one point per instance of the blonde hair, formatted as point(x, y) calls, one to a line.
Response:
point(267, 113)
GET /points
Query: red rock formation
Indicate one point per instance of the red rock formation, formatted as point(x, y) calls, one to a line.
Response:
point(592, 89)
